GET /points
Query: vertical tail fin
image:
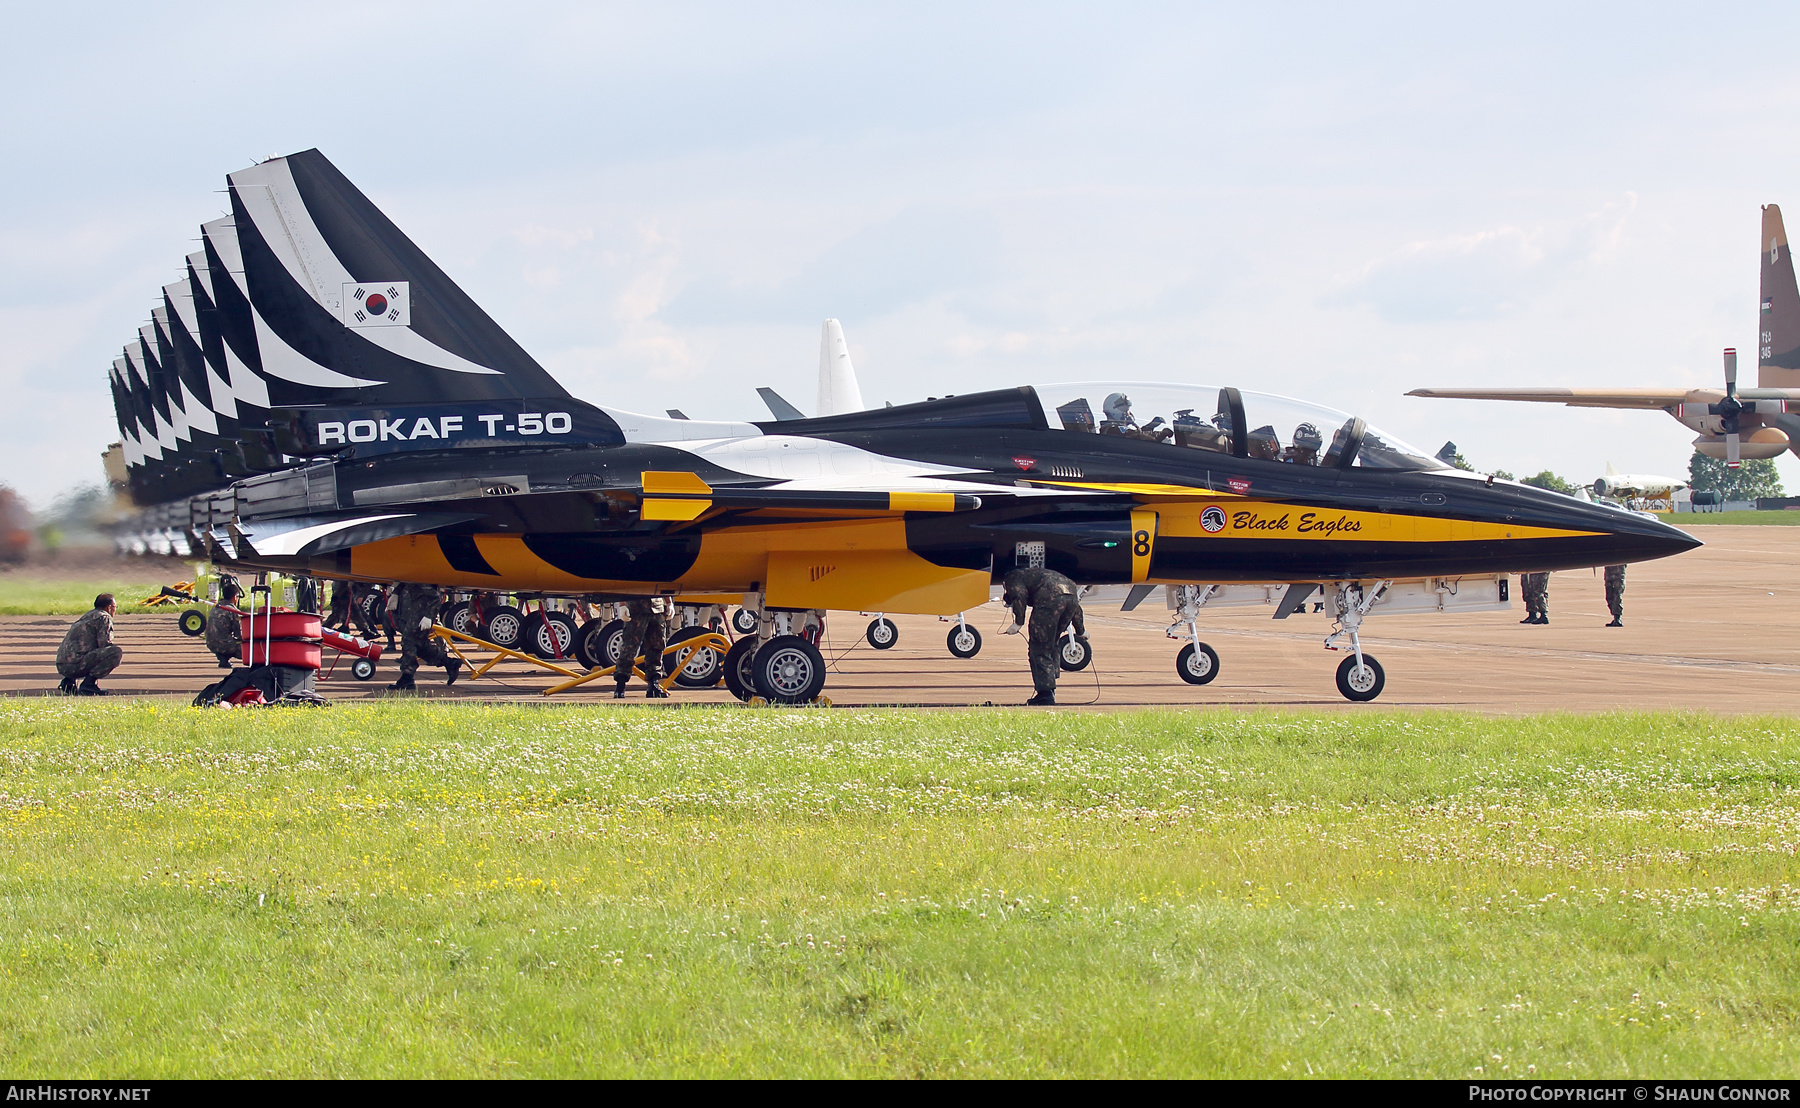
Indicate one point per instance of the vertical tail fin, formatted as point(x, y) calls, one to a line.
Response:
point(1778, 315)
point(838, 390)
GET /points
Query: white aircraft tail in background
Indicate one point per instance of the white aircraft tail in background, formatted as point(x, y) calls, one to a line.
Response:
point(838, 390)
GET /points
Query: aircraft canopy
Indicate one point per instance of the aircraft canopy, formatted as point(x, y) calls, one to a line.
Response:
point(1227, 420)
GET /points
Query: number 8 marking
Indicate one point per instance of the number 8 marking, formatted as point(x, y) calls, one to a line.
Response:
point(1140, 544)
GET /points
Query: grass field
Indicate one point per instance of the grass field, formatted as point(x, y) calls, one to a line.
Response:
point(22, 595)
point(450, 890)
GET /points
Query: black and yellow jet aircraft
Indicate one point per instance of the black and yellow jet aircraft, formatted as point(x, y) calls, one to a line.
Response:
point(318, 397)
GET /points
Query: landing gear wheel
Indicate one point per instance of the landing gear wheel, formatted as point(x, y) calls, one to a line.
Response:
point(698, 667)
point(1360, 683)
point(788, 670)
point(191, 622)
point(552, 635)
point(882, 634)
point(594, 640)
point(964, 641)
point(506, 627)
point(737, 669)
point(743, 621)
point(459, 616)
point(1197, 667)
point(374, 607)
point(362, 669)
point(1075, 654)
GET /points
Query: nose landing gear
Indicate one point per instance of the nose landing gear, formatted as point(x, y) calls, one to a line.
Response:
point(1196, 663)
point(1359, 677)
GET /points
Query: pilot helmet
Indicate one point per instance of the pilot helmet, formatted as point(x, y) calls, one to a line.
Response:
point(1307, 437)
point(1117, 407)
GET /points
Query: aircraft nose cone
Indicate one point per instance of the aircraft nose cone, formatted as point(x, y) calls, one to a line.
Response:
point(1637, 539)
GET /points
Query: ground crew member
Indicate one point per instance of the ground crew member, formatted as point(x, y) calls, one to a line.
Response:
point(1536, 589)
point(646, 631)
point(87, 651)
point(346, 608)
point(224, 631)
point(1615, 594)
point(1054, 608)
point(417, 609)
point(390, 613)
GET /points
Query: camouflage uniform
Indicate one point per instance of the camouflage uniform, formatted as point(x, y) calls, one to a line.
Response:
point(419, 605)
point(224, 634)
point(1054, 608)
point(1535, 587)
point(646, 632)
point(346, 609)
point(1615, 594)
point(87, 649)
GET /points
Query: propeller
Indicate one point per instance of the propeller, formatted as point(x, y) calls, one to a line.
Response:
point(1728, 410)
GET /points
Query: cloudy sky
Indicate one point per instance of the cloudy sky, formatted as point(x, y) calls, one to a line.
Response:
point(662, 201)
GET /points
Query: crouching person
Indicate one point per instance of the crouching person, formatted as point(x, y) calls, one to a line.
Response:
point(87, 652)
point(224, 629)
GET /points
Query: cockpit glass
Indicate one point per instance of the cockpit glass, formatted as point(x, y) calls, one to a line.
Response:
point(1227, 421)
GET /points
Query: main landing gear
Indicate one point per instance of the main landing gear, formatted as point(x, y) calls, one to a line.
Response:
point(781, 663)
point(964, 641)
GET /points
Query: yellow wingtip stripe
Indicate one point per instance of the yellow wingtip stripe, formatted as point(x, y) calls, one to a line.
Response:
point(921, 502)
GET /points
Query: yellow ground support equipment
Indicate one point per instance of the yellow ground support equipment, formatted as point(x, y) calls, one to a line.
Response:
point(452, 639)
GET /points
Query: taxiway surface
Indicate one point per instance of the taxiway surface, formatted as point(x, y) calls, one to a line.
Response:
point(1712, 629)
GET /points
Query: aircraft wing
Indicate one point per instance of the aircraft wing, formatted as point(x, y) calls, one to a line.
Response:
point(1583, 398)
point(680, 495)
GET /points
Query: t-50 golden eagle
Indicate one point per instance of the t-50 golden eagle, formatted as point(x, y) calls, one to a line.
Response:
point(316, 396)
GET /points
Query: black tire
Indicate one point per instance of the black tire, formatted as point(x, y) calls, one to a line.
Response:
point(743, 621)
point(1197, 667)
point(588, 640)
point(458, 616)
point(374, 608)
point(506, 627)
point(1361, 686)
point(1074, 654)
point(192, 622)
point(964, 641)
point(552, 635)
point(737, 669)
point(882, 634)
point(611, 643)
point(362, 669)
point(788, 670)
point(697, 668)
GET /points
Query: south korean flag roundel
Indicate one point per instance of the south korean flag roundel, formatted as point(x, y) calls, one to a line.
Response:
point(377, 304)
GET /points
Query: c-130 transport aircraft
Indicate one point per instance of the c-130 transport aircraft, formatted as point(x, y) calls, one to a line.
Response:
point(316, 396)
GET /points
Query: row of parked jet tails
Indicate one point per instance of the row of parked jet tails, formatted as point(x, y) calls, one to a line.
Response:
point(1733, 424)
point(315, 396)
